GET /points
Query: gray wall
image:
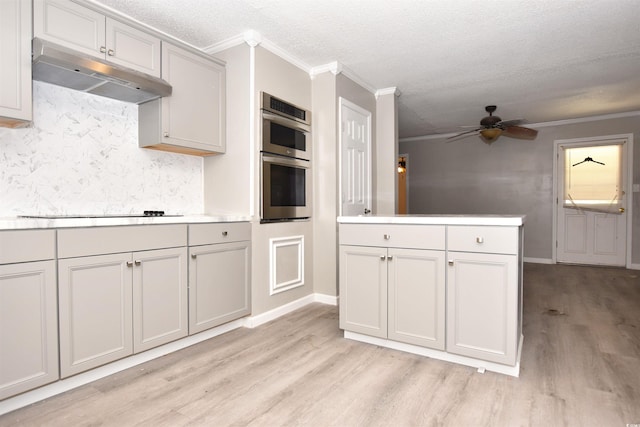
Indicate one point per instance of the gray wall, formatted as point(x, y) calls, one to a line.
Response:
point(507, 177)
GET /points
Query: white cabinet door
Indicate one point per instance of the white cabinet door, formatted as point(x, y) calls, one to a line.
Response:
point(159, 297)
point(15, 66)
point(219, 284)
point(71, 25)
point(417, 297)
point(363, 290)
point(95, 307)
point(482, 306)
point(132, 48)
point(28, 327)
point(84, 30)
point(192, 119)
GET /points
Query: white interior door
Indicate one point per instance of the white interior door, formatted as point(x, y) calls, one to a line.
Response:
point(591, 231)
point(355, 155)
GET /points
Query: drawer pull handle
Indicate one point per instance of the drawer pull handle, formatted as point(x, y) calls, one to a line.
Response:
point(383, 257)
point(129, 264)
point(450, 262)
point(387, 236)
point(224, 234)
point(479, 239)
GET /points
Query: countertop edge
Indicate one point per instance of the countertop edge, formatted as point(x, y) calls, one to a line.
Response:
point(496, 220)
point(44, 223)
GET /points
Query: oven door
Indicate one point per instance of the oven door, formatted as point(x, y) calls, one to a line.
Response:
point(285, 136)
point(286, 188)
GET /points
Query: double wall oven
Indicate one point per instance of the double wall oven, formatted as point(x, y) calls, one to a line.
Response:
point(286, 161)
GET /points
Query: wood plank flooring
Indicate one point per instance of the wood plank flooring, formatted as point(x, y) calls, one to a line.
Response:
point(580, 367)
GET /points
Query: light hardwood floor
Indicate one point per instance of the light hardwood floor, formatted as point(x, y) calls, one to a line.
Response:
point(580, 367)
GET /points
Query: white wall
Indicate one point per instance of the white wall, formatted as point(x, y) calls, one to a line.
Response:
point(81, 155)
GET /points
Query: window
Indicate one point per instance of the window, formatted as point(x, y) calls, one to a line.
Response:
point(593, 177)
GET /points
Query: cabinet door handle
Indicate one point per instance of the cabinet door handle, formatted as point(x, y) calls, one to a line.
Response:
point(387, 236)
point(166, 134)
point(103, 49)
point(450, 262)
point(129, 263)
point(479, 239)
point(383, 257)
point(137, 262)
point(390, 257)
point(194, 256)
point(224, 234)
point(111, 52)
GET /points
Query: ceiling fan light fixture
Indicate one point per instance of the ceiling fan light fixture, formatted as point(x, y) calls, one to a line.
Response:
point(490, 135)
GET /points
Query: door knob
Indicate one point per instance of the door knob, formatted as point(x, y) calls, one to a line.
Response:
point(367, 211)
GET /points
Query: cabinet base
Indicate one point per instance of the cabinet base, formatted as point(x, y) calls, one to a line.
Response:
point(481, 365)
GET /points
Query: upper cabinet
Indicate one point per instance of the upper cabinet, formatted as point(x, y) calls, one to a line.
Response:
point(84, 30)
point(15, 67)
point(192, 119)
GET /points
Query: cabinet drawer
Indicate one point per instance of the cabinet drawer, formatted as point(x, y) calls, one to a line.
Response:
point(394, 235)
point(223, 232)
point(76, 242)
point(498, 240)
point(26, 245)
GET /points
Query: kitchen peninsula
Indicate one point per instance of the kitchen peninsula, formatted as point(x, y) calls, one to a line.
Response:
point(443, 286)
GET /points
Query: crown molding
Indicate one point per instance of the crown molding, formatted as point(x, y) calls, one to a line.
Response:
point(388, 91)
point(333, 67)
point(535, 125)
point(338, 68)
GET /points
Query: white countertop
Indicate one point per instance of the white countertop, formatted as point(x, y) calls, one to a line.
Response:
point(18, 223)
point(498, 220)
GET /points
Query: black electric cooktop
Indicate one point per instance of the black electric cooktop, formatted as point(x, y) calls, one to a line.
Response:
point(142, 215)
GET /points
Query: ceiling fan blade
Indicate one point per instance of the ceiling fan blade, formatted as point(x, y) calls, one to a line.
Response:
point(520, 132)
point(507, 123)
point(464, 134)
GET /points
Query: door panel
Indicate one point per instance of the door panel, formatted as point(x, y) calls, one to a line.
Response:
point(355, 141)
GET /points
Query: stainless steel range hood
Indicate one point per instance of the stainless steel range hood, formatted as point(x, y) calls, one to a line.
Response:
point(61, 66)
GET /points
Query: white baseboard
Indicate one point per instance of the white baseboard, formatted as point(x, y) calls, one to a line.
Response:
point(634, 267)
point(268, 316)
point(538, 260)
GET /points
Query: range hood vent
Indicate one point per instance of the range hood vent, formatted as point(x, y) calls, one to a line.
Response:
point(61, 66)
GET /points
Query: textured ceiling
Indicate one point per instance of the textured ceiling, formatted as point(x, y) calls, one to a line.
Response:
point(542, 60)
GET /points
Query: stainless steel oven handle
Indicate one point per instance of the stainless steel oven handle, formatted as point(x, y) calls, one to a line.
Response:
point(286, 122)
point(287, 161)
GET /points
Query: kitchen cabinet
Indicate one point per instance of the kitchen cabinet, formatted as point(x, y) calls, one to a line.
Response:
point(392, 282)
point(484, 301)
point(448, 287)
point(28, 313)
point(15, 67)
point(122, 290)
point(85, 30)
point(192, 119)
point(219, 274)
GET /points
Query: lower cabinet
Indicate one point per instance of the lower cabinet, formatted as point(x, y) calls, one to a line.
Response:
point(482, 306)
point(28, 326)
point(115, 305)
point(219, 274)
point(393, 293)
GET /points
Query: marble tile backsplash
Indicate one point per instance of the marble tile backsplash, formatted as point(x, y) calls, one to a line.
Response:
point(81, 156)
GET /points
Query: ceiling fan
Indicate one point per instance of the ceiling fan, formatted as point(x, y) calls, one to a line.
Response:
point(491, 127)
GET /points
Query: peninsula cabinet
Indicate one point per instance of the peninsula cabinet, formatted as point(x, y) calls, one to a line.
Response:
point(219, 274)
point(192, 119)
point(122, 290)
point(447, 287)
point(15, 67)
point(28, 314)
point(85, 30)
point(392, 282)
